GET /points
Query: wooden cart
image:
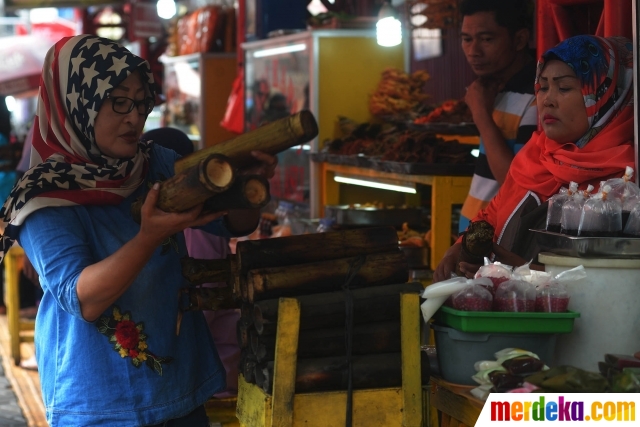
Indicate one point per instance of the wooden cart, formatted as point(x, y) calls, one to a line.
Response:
point(402, 406)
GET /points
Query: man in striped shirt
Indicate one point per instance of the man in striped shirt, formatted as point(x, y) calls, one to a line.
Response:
point(495, 40)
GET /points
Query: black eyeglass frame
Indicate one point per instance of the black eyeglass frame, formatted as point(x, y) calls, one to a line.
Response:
point(148, 103)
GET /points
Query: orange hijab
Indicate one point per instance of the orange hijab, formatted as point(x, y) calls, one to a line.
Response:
point(543, 165)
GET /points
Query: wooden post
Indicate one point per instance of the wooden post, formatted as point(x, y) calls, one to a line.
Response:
point(284, 369)
point(410, 341)
point(271, 138)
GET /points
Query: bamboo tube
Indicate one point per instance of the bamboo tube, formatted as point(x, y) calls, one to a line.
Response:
point(200, 298)
point(271, 138)
point(330, 373)
point(308, 248)
point(327, 310)
point(301, 279)
point(199, 271)
point(247, 192)
point(192, 186)
point(369, 338)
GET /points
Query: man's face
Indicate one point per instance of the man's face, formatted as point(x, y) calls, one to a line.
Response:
point(488, 47)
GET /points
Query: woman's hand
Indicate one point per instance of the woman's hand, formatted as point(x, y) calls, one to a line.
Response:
point(448, 263)
point(267, 166)
point(157, 225)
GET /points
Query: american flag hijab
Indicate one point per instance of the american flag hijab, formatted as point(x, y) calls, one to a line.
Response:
point(67, 168)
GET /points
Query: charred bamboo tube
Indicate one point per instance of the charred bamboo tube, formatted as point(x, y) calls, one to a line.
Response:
point(247, 192)
point(248, 366)
point(369, 338)
point(199, 271)
point(242, 329)
point(199, 298)
point(330, 373)
point(301, 279)
point(327, 310)
point(211, 175)
point(307, 248)
point(271, 138)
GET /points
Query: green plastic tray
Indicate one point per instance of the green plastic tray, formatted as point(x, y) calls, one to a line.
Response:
point(497, 321)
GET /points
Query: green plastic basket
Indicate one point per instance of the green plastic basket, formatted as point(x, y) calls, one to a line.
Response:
point(497, 321)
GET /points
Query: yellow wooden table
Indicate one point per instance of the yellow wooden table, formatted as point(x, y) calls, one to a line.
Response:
point(13, 262)
point(445, 192)
point(401, 406)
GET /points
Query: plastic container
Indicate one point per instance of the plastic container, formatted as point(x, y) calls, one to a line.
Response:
point(459, 351)
point(507, 322)
point(609, 302)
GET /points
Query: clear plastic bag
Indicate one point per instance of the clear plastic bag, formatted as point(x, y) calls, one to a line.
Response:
point(474, 297)
point(571, 214)
point(632, 227)
point(601, 216)
point(515, 295)
point(498, 273)
point(554, 210)
point(553, 297)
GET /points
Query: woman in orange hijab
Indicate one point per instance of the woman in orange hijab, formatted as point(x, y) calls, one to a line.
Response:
point(584, 94)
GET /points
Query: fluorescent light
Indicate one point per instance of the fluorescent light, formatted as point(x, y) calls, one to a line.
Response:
point(279, 50)
point(475, 152)
point(375, 184)
point(166, 9)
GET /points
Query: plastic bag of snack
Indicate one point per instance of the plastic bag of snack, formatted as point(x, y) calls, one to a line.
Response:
point(553, 297)
point(554, 210)
point(632, 227)
point(474, 297)
point(437, 293)
point(515, 295)
point(572, 212)
point(482, 377)
point(505, 381)
point(623, 188)
point(523, 365)
point(496, 272)
point(601, 216)
point(481, 392)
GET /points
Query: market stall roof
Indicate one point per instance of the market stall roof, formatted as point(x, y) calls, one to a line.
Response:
point(21, 60)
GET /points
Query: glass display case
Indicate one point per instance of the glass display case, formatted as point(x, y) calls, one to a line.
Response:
point(329, 72)
point(197, 88)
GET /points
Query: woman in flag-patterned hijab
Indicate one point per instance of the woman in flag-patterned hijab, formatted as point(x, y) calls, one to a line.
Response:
point(106, 342)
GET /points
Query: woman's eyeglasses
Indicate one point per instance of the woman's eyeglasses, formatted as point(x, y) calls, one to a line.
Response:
point(124, 105)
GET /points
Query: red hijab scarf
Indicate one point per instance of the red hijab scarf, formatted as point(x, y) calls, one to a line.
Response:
point(67, 166)
point(543, 165)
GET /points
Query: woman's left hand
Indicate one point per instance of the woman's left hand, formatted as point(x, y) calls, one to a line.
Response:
point(267, 166)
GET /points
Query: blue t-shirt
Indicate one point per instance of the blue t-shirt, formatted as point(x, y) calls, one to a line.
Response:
point(129, 367)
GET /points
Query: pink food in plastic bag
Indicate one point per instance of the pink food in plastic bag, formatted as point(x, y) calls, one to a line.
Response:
point(473, 298)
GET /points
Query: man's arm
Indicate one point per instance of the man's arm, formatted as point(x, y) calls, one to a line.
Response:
point(480, 98)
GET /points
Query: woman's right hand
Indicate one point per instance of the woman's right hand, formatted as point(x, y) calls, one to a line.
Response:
point(157, 225)
point(448, 263)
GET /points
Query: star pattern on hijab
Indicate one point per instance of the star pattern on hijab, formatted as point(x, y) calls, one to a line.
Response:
point(67, 167)
point(96, 63)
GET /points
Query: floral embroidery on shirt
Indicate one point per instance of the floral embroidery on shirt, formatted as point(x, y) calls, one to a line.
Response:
point(129, 340)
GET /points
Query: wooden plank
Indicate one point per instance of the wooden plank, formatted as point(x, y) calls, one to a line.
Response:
point(254, 405)
point(411, 367)
point(12, 266)
point(25, 383)
point(454, 405)
point(284, 370)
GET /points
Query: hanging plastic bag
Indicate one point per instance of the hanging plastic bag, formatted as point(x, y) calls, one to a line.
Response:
point(601, 215)
point(572, 212)
point(233, 119)
point(554, 210)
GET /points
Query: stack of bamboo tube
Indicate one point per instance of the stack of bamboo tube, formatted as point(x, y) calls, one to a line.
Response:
point(325, 271)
